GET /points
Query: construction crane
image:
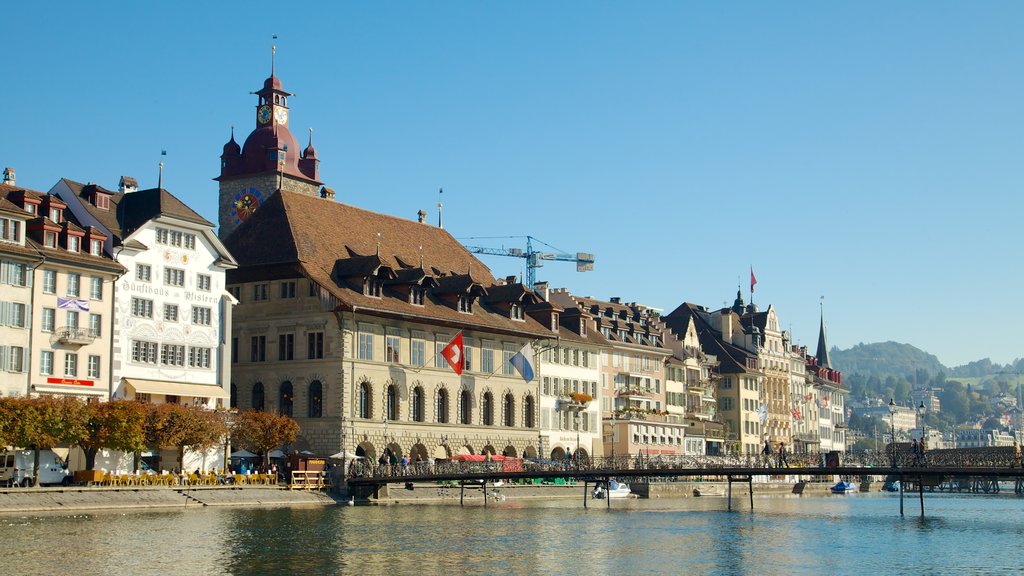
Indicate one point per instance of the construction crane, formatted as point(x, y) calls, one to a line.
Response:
point(534, 259)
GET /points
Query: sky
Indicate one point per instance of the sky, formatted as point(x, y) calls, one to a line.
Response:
point(863, 158)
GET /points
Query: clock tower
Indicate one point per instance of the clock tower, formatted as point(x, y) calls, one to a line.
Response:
point(268, 161)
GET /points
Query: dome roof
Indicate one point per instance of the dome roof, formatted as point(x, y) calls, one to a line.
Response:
point(254, 152)
point(232, 148)
point(272, 83)
point(309, 152)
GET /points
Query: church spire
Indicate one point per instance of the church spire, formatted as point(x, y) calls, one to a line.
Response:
point(823, 359)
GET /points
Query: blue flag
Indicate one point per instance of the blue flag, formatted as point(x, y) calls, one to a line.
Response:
point(523, 361)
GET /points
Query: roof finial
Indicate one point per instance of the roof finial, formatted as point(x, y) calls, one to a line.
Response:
point(421, 256)
point(160, 178)
point(310, 135)
point(439, 206)
point(273, 53)
point(378, 243)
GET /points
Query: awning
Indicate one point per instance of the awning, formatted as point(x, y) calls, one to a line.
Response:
point(176, 388)
point(69, 390)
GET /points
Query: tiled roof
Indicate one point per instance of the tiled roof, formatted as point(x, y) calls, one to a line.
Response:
point(320, 235)
point(731, 359)
point(129, 211)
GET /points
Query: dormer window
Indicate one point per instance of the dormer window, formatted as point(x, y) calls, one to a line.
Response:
point(465, 304)
point(607, 332)
point(416, 295)
point(96, 248)
point(50, 239)
point(372, 287)
point(583, 326)
point(55, 215)
point(102, 201)
point(515, 311)
point(74, 243)
point(30, 208)
point(10, 230)
point(622, 335)
point(554, 321)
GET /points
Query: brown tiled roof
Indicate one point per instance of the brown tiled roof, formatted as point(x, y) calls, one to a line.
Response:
point(596, 307)
point(731, 359)
point(129, 211)
point(314, 233)
point(8, 206)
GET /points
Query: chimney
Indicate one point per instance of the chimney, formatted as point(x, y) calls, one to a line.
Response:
point(727, 327)
point(9, 176)
point(510, 280)
point(128, 184)
point(326, 193)
point(421, 216)
point(615, 300)
point(541, 288)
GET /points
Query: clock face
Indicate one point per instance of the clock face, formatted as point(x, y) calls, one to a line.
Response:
point(263, 115)
point(281, 114)
point(245, 203)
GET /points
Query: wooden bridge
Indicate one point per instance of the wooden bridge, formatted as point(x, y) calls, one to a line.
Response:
point(988, 465)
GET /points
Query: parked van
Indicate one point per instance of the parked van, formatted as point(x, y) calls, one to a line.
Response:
point(17, 468)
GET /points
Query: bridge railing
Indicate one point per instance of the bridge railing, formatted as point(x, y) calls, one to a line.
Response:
point(905, 458)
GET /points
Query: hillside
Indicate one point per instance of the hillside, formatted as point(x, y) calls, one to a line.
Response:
point(885, 358)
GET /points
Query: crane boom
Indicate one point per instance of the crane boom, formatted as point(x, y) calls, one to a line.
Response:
point(534, 258)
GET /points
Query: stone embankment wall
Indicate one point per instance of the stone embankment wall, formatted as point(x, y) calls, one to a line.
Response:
point(82, 499)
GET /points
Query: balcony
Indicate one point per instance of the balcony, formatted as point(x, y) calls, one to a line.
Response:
point(635, 393)
point(74, 336)
point(574, 401)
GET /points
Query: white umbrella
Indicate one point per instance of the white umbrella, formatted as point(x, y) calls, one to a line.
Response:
point(277, 454)
point(345, 456)
point(243, 454)
point(307, 453)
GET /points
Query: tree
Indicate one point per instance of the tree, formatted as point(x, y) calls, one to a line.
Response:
point(43, 423)
point(180, 427)
point(118, 425)
point(261, 432)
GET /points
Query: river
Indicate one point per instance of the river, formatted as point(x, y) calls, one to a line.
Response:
point(851, 534)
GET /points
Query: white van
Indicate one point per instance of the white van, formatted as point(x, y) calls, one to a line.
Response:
point(17, 468)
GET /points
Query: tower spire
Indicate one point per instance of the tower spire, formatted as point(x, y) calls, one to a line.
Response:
point(273, 54)
point(823, 358)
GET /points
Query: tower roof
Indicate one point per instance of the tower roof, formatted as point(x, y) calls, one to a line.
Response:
point(823, 358)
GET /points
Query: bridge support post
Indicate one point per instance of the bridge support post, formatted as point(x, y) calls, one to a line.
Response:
point(462, 492)
point(750, 490)
point(901, 494)
point(608, 495)
point(584, 494)
point(485, 492)
point(729, 478)
point(920, 493)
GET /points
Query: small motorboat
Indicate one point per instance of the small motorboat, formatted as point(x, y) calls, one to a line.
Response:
point(891, 486)
point(698, 492)
point(615, 490)
point(842, 487)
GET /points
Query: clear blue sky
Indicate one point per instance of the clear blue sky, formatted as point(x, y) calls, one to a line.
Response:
point(870, 152)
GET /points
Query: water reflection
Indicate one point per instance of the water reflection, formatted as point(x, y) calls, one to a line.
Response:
point(862, 534)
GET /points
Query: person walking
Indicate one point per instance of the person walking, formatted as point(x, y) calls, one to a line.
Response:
point(1016, 455)
point(783, 463)
point(766, 453)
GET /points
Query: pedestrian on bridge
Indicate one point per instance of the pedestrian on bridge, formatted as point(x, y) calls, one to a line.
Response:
point(767, 454)
point(1016, 455)
point(782, 455)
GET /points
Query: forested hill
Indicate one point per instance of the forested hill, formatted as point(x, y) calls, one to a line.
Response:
point(885, 358)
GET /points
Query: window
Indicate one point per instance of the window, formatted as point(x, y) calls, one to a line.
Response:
point(50, 239)
point(72, 319)
point(372, 286)
point(142, 308)
point(201, 315)
point(74, 243)
point(391, 347)
point(258, 349)
point(12, 358)
point(46, 363)
point(528, 410)
point(365, 394)
point(47, 321)
point(10, 230)
point(257, 396)
point(12, 314)
point(316, 399)
point(95, 325)
point(234, 350)
point(417, 407)
point(144, 352)
point(365, 346)
point(96, 247)
point(285, 396)
point(417, 353)
point(49, 281)
point(14, 273)
point(465, 407)
point(55, 215)
point(286, 346)
point(70, 364)
point(236, 292)
point(203, 282)
point(171, 312)
point(288, 289)
point(416, 295)
point(73, 282)
point(94, 366)
point(506, 362)
point(439, 345)
point(486, 360)
point(174, 277)
point(199, 357)
point(392, 403)
point(467, 358)
point(441, 410)
point(259, 292)
point(487, 409)
point(510, 410)
point(516, 312)
point(96, 288)
point(175, 238)
point(143, 272)
point(172, 355)
point(465, 305)
point(315, 345)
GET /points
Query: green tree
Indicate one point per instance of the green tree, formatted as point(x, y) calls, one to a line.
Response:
point(261, 432)
point(45, 422)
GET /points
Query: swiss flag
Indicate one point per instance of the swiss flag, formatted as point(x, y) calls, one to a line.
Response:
point(753, 280)
point(453, 354)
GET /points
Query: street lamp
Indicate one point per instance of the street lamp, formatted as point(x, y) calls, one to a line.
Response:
point(577, 434)
point(920, 414)
point(892, 429)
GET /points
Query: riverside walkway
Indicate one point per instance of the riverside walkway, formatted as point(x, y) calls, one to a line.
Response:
point(931, 469)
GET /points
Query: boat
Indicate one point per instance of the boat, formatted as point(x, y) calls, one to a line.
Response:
point(891, 486)
point(707, 491)
point(842, 487)
point(616, 490)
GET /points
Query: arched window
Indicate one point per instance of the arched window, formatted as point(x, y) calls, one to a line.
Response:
point(257, 396)
point(417, 404)
point(284, 398)
point(234, 395)
point(392, 402)
point(441, 410)
point(466, 408)
point(510, 410)
point(316, 399)
point(487, 409)
point(528, 409)
point(364, 400)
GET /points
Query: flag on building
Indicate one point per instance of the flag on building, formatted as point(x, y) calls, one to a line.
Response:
point(753, 280)
point(453, 354)
point(796, 413)
point(72, 304)
point(523, 361)
point(762, 413)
